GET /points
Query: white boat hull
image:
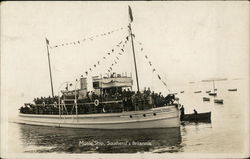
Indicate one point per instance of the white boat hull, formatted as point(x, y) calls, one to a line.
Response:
point(154, 118)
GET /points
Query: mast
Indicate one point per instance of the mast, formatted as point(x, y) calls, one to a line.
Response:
point(131, 35)
point(213, 86)
point(51, 82)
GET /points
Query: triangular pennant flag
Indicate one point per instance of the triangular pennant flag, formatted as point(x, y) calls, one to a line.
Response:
point(127, 37)
point(122, 50)
point(154, 70)
point(86, 72)
point(112, 64)
point(146, 56)
point(90, 69)
point(94, 65)
point(117, 58)
point(108, 53)
point(112, 50)
point(150, 63)
point(159, 77)
point(120, 53)
point(98, 62)
point(47, 41)
point(78, 42)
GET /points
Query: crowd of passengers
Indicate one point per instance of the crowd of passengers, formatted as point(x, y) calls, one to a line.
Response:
point(146, 96)
point(130, 101)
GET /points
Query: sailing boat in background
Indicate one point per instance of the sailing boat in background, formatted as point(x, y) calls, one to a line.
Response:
point(214, 94)
point(214, 89)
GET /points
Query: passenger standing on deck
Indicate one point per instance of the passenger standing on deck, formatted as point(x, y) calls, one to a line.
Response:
point(195, 112)
point(90, 95)
point(182, 109)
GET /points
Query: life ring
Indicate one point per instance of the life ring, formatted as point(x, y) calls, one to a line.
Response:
point(96, 102)
point(43, 104)
point(55, 104)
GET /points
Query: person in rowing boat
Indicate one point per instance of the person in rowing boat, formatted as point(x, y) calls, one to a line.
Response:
point(195, 112)
point(182, 109)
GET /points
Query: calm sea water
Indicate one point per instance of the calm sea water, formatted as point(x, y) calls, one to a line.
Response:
point(225, 134)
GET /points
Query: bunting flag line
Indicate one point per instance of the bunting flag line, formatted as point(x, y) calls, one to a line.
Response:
point(159, 77)
point(91, 38)
point(109, 54)
point(150, 64)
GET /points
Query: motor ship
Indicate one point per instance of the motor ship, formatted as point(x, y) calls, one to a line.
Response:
point(111, 104)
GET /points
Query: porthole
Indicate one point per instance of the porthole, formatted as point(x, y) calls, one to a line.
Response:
point(144, 115)
point(154, 114)
point(131, 116)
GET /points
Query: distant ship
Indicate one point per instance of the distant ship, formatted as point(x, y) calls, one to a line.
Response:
point(197, 91)
point(111, 105)
point(218, 101)
point(206, 99)
point(232, 89)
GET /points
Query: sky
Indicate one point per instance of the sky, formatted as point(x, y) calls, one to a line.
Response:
point(185, 41)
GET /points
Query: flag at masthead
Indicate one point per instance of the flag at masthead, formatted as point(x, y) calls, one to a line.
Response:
point(130, 14)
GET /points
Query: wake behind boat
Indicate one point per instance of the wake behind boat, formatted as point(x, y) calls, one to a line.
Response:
point(112, 104)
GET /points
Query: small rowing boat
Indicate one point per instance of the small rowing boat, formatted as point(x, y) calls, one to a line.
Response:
point(197, 91)
point(218, 101)
point(206, 99)
point(200, 117)
point(212, 94)
point(232, 89)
